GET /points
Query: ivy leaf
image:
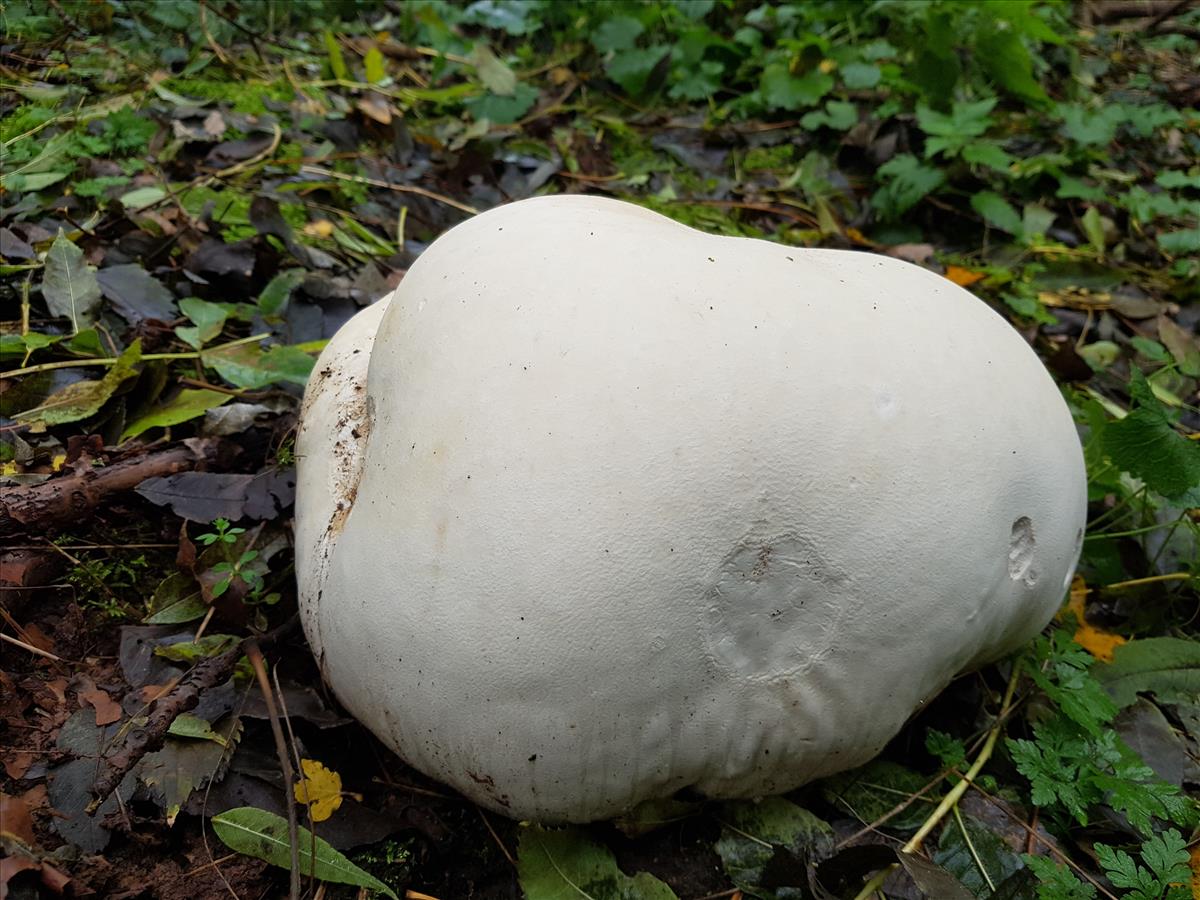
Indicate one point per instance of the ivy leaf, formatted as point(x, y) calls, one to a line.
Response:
point(69, 285)
point(1146, 445)
point(264, 835)
point(556, 864)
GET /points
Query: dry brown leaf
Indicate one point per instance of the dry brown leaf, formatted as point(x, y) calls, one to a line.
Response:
point(107, 709)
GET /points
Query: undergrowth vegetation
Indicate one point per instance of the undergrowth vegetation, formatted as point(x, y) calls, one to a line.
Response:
point(195, 195)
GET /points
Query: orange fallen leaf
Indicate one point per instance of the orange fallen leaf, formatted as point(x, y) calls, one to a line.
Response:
point(963, 276)
point(1100, 644)
point(107, 709)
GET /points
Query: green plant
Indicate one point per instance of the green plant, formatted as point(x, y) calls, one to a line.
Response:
point(223, 533)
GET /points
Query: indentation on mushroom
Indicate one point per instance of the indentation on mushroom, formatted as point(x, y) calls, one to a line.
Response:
point(773, 607)
point(1021, 546)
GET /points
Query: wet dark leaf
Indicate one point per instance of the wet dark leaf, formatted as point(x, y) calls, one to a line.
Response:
point(205, 496)
point(135, 294)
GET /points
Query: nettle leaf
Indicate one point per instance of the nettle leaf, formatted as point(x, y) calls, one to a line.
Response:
point(860, 76)
point(987, 153)
point(949, 133)
point(554, 864)
point(997, 211)
point(837, 115)
point(1090, 127)
point(69, 285)
point(1000, 52)
point(264, 835)
point(1168, 668)
point(905, 181)
point(781, 89)
point(762, 841)
point(1146, 445)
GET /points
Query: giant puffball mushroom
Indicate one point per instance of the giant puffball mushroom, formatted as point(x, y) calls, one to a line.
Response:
point(596, 507)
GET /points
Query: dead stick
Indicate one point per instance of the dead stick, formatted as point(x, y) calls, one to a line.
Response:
point(66, 499)
point(285, 763)
point(183, 697)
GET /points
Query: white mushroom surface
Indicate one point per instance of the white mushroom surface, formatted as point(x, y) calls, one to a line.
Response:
point(618, 507)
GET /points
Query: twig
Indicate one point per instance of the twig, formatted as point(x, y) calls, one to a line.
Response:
point(400, 188)
point(24, 646)
point(145, 357)
point(1150, 579)
point(955, 793)
point(496, 837)
point(208, 673)
point(68, 498)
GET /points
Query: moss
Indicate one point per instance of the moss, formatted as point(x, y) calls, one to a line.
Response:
point(769, 159)
point(242, 96)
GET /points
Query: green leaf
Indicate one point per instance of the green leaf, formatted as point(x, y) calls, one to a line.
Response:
point(1090, 127)
point(181, 766)
point(860, 76)
point(905, 181)
point(264, 835)
point(337, 63)
point(1182, 344)
point(187, 725)
point(503, 110)
point(1173, 178)
point(1035, 220)
point(1167, 667)
point(140, 198)
point(373, 66)
point(1093, 227)
point(209, 319)
point(564, 864)
point(996, 211)
point(1179, 243)
point(194, 651)
point(631, 69)
point(987, 153)
point(186, 405)
point(975, 854)
point(755, 834)
point(84, 399)
point(999, 51)
point(1056, 882)
point(495, 75)
point(248, 366)
point(617, 33)
point(69, 285)
point(837, 115)
point(782, 90)
point(274, 297)
point(1145, 444)
point(870, 791)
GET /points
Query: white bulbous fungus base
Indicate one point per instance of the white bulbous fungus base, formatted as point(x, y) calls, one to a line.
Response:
point(618, 508)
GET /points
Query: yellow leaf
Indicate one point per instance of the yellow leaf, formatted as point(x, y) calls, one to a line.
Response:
point(320, 788)
point(57, 461)
point(1194, 864)
point(321, 228)
point(1100, 644)
point(10, 468)
point(827, 65)
point(964, 277)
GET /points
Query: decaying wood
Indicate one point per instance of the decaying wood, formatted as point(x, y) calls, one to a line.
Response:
point(210, 672)
point(71, 497)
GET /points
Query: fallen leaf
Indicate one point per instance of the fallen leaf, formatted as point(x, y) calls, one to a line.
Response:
point(913, 253)
point(1100, 644)
point(107, 709)
point(322, 228)
point(963, 276)
point(320, 788)
point(15, 820)
point(69, 285)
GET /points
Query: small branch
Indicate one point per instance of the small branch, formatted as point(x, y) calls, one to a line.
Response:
point(950, 801)
point(208, 673)
point(67, 499)
point(399, 188)
point(289, 776)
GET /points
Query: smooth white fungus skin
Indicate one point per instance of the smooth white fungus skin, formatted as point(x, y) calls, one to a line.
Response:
point(630, 508)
